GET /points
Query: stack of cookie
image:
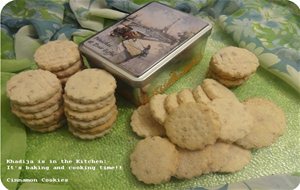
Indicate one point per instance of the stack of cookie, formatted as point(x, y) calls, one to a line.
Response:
point(60, 57)
point(36, 98)
point(232, 66)
point(90, 104)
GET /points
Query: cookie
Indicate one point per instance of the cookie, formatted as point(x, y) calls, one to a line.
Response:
point(143, 124)
point(55, 116)
point(185, 96)
point(41, 106)
point(88, 136)
point(227, 158)
point(229, 83)
point(234, 63)
point(157, 108)
point(171, 102)
point(200, 96)
point(49, 128)
point(32, 87)
point(93, 123)
point(88, 107)
point(269, 123)
point(235, 119)
point(91, 115)
point(214, 90)
point(38, 115)
point(97, 129)
point(70, 70)
point(154, 160)
point(192, 163)
point(90, 86)
point(57, 55)
point(193, 126)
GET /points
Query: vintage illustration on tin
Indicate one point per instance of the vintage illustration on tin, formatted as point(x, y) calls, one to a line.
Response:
point(139, 41)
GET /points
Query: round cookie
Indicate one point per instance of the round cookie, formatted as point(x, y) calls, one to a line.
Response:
point(41, 106)
point(235, 119)
point(192, 163)
point(49, 128)
point(234, 63)
point(269, 123)
point(93, 123)
point(154, 160)
point(70, 70)
point(215, 90)
point(157, 108)
point(144, 125)
point(229, 83)
point(200, 95)
point(185, 96)
point(193, 126)
point(88, 107)
point(57, 55)
point(32, 87)
point(91, 115)
point(90, 86)
point(171, 102)
point(88, 136)
point(227, 157)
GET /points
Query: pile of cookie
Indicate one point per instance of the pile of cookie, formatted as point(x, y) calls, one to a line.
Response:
point(90, 103)
point(60, 57)
point(186, 132)
point(232, 66)
point(36, 98)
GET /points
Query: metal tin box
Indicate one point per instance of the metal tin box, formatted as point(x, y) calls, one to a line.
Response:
point(148, 50)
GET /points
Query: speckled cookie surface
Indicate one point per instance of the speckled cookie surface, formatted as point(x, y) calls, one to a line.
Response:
point(90, 86)
point(32, 87)
point(171, 102)
point(228, 157)
point(57, 55)
point(88, 107)
point(214, 90)
point(185, 96)
point(268, 123)
point(154, 160)
point(144, 125)
point(200, 95)
point(192, 163)
point(235, 119)
point(193, 126)
point(233, 62)
point(158, 109)
point(70, 70)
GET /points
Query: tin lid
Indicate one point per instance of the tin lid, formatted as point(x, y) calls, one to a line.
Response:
point(142, 39)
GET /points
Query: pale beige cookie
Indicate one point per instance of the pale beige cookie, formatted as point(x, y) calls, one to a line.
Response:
point(89, 107)
point(269, 123)
point(56, 116)
point(90, 86)
point(91, 115)
point(61, 122)
point(157, 108)
point(57, 55)
point(235, 119)
point(48, 129)
point(227, 157)
point(200, 95)
point(93, 123)
point(171, 102)
point(38, 115)
point(192, 163)
point(185, 96)
point(32, 87)
point(70, 70)
point(193, 126)
point(229, 83)
point(88, 136)
point(214, 90)
point(144, 125)
point(154, 160)
point(41, 106)
point(97, 129)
